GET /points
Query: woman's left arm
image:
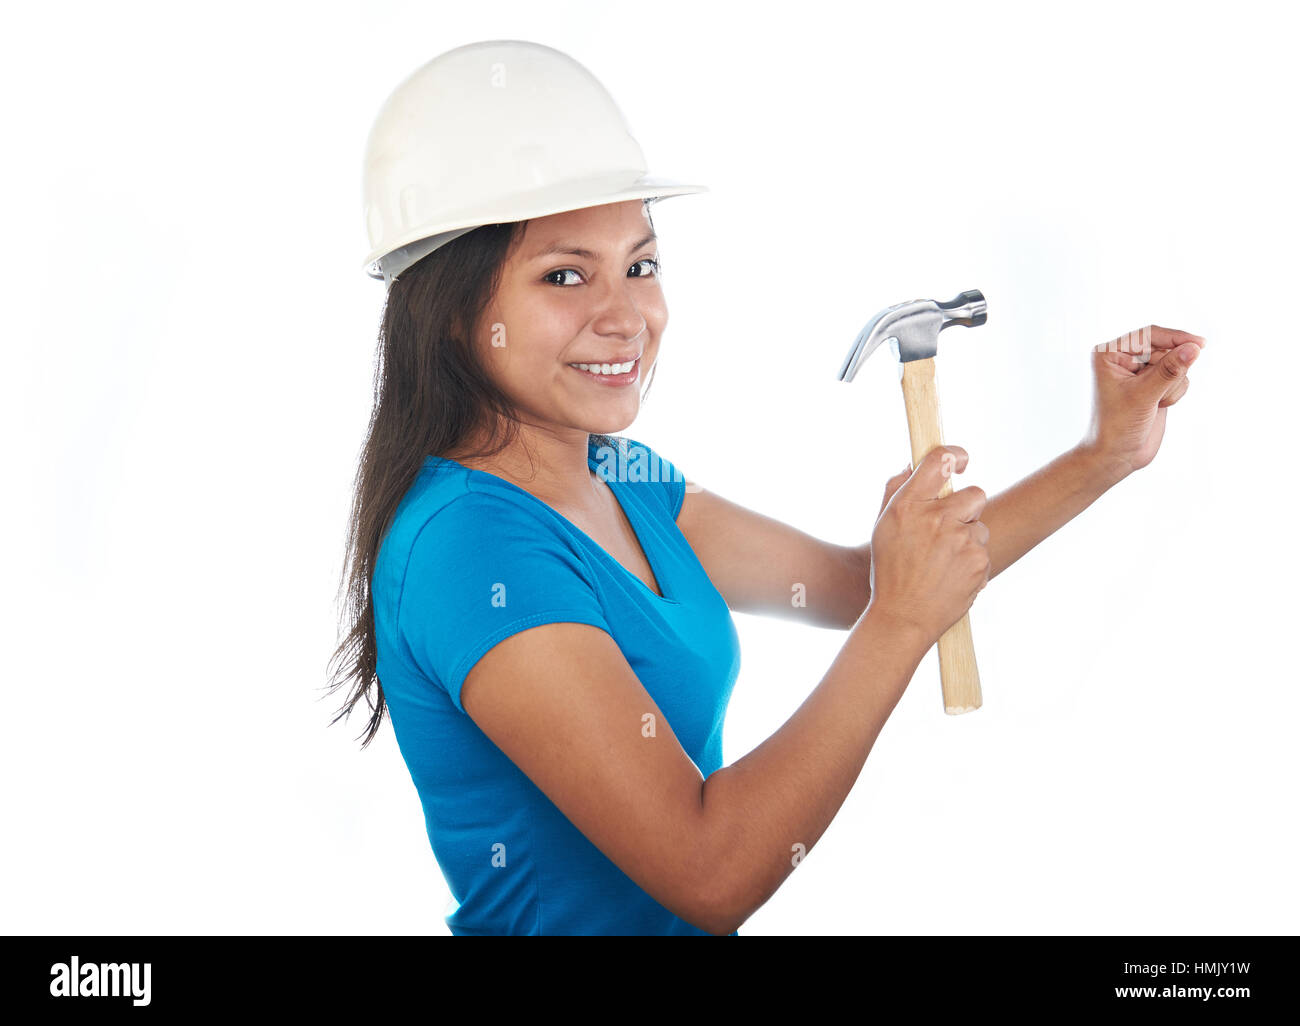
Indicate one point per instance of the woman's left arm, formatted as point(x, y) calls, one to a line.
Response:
point(1030, 510)
point(761, 565)
point(765, 567)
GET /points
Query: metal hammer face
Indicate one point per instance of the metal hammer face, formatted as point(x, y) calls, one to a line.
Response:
point(913, 328)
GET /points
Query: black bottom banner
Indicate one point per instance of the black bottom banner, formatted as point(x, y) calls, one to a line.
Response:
point(1223, 978)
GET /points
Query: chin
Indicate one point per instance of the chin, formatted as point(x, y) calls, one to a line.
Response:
point(609, 425)
point(609, 417)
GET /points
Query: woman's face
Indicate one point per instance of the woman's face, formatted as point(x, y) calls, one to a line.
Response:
point(556, 307)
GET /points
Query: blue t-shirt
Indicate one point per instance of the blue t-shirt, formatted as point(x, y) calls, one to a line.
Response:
point(513, 862)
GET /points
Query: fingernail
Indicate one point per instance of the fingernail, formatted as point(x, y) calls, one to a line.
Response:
point(1189, 352)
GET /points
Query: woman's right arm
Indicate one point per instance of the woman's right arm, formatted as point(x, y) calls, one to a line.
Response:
point(786, 791)
point(563, 704)
point(929, 561)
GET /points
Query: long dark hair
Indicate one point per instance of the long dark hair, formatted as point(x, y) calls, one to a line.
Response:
point(431, 394)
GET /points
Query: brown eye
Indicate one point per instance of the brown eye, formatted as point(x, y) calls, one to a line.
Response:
point(552, 274)
point(648, 260)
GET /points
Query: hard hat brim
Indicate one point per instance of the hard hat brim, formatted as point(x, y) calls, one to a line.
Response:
point(556, 198)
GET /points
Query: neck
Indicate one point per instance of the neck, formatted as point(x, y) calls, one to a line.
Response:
point(550, 463)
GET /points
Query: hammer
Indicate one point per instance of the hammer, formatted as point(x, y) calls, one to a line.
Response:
point(913, 330)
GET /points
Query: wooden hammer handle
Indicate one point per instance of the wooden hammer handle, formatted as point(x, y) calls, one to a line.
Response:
point(957, 669)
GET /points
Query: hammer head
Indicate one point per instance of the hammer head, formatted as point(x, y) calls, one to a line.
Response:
point(914, 327)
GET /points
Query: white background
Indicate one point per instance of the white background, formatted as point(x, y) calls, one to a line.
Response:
point(188, 354)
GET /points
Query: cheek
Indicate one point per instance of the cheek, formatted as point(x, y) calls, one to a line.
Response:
point(655, 311)
point(523, 335)
point(551, 322)
point(527, 356)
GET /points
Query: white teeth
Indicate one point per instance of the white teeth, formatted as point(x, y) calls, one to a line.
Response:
point(605, 368)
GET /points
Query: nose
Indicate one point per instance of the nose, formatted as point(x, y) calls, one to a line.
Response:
point(619, 314)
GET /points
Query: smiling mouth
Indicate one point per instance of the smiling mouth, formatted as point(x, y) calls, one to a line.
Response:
point(610, 373)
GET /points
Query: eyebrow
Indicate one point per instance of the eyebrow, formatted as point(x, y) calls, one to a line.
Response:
point(571, 250)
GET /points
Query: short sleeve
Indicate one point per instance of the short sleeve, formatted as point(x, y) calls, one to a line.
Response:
point(645, 464)
point(480, 570)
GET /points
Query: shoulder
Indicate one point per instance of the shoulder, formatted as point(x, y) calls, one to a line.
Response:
point(474, 569)
point(457, 526)
point(482, 523)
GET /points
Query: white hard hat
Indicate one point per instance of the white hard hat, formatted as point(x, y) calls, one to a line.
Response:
point(496, 131)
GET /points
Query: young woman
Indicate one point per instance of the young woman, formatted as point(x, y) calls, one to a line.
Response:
point(545, 606)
